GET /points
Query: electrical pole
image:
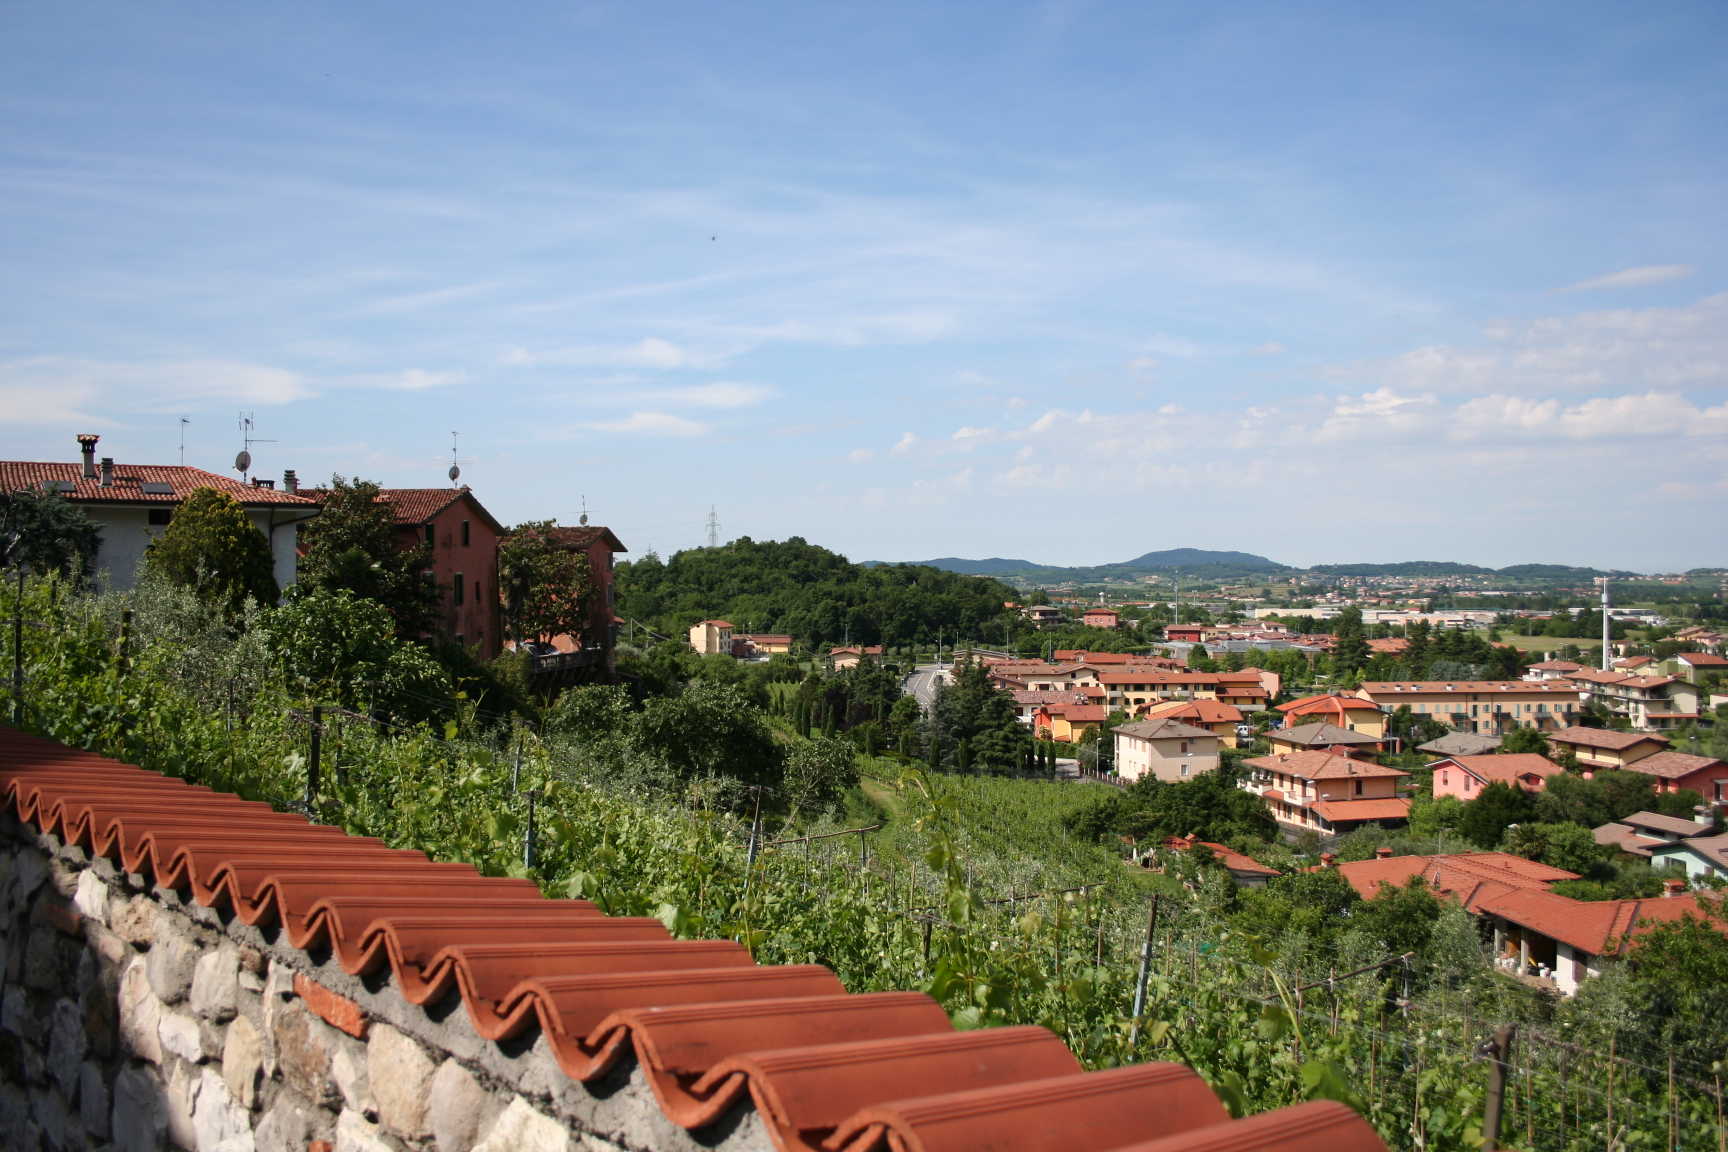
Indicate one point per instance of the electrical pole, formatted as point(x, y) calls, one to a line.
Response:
point(713, 527)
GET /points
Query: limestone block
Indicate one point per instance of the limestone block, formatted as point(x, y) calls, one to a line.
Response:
point(140, 1014)
point(355, 1133)
point(133, 919)
point(304, 1045)
point(16, 1015)
point(287, 1127)
point(140, 1117)
point(348, 1070)
point(91, 897)
point(458, 1109)
point(170, 962)
point(218, 1120)
point(521, 1129)
point(66, 1046)
point(93, 1100)
point(216, 985)
point(64, 875)
point(182, 1088)
point(401, 1076)
point(243, 1061)
point(49, 1109)
point(14, 1110)
point(180, 1036)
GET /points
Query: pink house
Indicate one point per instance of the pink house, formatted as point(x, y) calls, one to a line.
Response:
point(1466, 776)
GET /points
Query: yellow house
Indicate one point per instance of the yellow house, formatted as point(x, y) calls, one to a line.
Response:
point(711, 638)
point(1606, 748)
point(1067, 723)
point(1352, 713)
point(1490, 707)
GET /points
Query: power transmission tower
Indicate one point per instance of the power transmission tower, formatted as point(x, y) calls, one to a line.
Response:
point(713, 527)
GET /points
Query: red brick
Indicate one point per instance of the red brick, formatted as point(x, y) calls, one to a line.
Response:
point(337, 1011)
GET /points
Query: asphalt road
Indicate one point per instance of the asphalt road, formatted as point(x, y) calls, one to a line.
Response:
point(922, 683)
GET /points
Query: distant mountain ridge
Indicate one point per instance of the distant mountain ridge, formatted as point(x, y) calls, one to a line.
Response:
point(1204, 563)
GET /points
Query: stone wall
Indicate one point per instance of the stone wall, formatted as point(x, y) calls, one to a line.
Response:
point(134, 1019)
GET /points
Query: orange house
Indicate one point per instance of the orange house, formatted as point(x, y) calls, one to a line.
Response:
point(1067, 723)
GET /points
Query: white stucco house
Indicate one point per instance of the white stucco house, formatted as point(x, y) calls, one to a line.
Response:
point(132, 504)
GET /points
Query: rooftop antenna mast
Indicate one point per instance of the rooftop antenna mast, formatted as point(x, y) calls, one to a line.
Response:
point(243, 462)
point(455, 472)
point(584, 519)
point(183, 422)
point(713, 527)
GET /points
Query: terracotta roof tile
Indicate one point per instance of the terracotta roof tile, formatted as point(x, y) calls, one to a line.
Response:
point(1372, 809)
point(1671, 765)
point(129, 482)
point(708, 1026)
point(1321, 766)
point(1605, 738)
point(1506, 767)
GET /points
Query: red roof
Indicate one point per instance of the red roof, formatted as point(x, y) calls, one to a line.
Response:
point(1377, 809)
point(1199, 711)
point(708, 1027)
point(1605, 738)
point(1594, 926)
point(1671, 765)
point(1457, 874)
point(1313, 765)
point(1316, 705)
point(130, 481)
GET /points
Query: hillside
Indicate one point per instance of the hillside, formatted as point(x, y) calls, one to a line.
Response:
point(816, 596)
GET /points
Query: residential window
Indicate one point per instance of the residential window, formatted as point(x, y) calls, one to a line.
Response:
point(1358, 787)
point(456, 588)
point(477, 599)
point(464, 533)
point(1184, 769)
point(1184, 747)
point(160, 516)
point(431, 536)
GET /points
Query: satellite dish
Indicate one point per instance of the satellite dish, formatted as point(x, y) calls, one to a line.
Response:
point(243, 461)
point(584, 520)
point(454, 472)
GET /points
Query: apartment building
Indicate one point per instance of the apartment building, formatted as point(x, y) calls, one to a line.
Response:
point(1655, 702)
point(1166, 749)
point(1605, 748)
point(1326, 793)
point(1489, 707)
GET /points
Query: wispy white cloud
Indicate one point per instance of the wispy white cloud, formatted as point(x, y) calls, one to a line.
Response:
point(1633, 278)
point(410, 380)
point(52, 389)
point(652, 424)
point(1659, 348)
point(650, 352)
point(721, 394)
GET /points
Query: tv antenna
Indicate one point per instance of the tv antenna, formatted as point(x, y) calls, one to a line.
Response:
point(583, 520)
point(455, 464)
point(713, 527)
point(243, 462)
point(183, 422)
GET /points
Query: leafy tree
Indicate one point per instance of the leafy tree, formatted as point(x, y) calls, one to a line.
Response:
point(353, 546)
point(212, 547)
point(970, 708)
point(547, 587)
point(1570, 799)
point(1210, 806)
point(707, 730)
point(1485, 818)
point(1525, 740)
point(52, 533)
point(817, 774)
point(338, 648)
point(1351, 650)
point(1400, 919)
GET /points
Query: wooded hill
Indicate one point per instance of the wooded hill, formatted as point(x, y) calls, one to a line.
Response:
point(816, 596)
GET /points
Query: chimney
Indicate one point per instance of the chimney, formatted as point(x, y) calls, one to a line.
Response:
point(87, 445)
point(107, 471)
point(290, 482)
point(1384, 852)
point(1326, 859)
point(1673, 888)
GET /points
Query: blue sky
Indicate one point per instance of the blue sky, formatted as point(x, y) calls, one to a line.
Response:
point(1327, 282)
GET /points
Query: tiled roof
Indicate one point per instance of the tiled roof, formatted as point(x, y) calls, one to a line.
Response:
point(1377, 809)
point(1663, 823)
point(1048, 696)
point(1199, 711)
point(1321, 734)
point(1229, 857)
point(1156, 676)
point(1394, 687)
point(1671, 765)
point(1079, 713)
point(1460, 744)
point(1624, 838)
point(1505, 767)
point(1321, 766)
point(1164, 729)
point(1596, 676)
point(1458, 874)
point(1605, 738)
point(583, 537)
point(1556, 666)
point(1593, 926)
point(129, 482)
point(1703, 660)
point(1315, 705)
point(716, 623)
point(708, 1027)
point(1712, 848)
point(420, 505)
